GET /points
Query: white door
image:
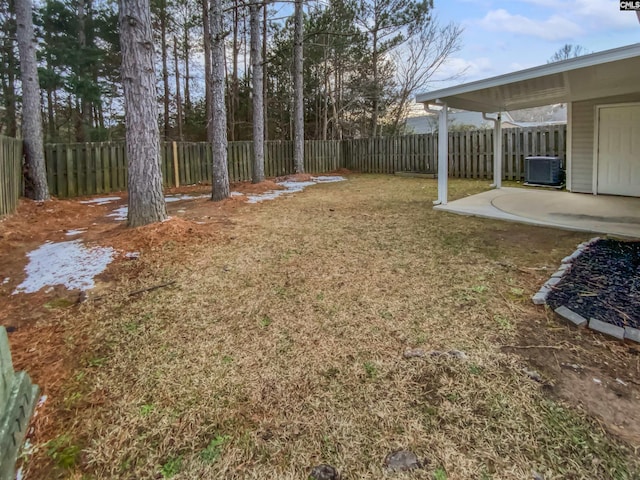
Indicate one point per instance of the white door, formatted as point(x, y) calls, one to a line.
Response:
point(619, 150)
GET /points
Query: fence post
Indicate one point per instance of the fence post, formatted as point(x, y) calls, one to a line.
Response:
point(176, 173)
point(17, 402)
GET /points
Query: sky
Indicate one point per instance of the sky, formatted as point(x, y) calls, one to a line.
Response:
point(504, 36)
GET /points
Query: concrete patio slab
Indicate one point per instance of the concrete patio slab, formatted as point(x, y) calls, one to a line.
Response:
point(608, 214)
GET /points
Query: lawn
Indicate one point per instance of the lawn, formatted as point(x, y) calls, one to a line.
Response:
point(280, 346)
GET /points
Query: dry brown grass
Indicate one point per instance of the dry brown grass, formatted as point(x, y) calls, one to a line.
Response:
point(285, 344)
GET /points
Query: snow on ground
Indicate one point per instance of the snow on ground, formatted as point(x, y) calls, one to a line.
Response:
point(328, 179)
point(291, 187)
point(120, 214)
point(71, 233)
point(177, 198)
point(101, 201)
point(71, 264)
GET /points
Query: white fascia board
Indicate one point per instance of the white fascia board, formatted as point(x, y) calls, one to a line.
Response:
point(621, 53)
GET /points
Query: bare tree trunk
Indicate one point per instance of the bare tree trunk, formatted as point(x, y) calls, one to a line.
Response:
point(85, 104)
point(258, 105)
point(325, 100)
point(218, 120)
point(8, 66)
point(336, 130)
point(298, 99)
point(9, 91)
point(234, 91)
point(81, 135)
point(375, 93)
point(207, 68)
point(165, 69)
point(265, 76)
point(245, 41)
point(178, 99)
point(100, 115)
point(146, 200)
point(338, 100)
point(35, 171)
point(187, 93)
point(51, 124)
point(227, 80)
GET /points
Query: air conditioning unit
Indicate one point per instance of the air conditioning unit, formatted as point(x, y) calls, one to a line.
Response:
point(543, 171)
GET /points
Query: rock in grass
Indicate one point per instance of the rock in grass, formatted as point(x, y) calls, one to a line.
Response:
point(457, 354)
point(414, 352)
point(402, 461)
point(324, 472)
point(533, 375)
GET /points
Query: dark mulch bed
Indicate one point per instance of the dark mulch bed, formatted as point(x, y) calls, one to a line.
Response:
point(603, 283)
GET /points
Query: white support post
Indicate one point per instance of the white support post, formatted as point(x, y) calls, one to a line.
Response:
point(497, 149)
point(497, 152)
point(443, 156)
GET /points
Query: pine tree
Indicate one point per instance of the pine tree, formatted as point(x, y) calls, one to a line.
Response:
point(255, 11)
point(146, 200)
point(298, 94)
point(218, 119)
point(35, 171)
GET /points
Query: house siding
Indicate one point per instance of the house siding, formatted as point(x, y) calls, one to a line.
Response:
point(582, 137)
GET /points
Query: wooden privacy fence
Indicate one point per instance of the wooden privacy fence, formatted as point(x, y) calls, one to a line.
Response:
point(10, 174)
point(411, 153)
point(90, 168)
point(470, 152)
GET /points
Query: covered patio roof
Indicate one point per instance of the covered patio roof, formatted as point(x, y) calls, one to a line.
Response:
point(601, 74)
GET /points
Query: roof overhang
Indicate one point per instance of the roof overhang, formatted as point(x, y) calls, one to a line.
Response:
point(602, 74)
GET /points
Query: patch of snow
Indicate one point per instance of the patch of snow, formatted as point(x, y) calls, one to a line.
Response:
point(64, 263)
point(291, 187)
point(19, 474)
point(296, 186)
point(132, 255)
point(177, 198)
point(101, 200)
point(71, 233)
point(6, 280)
point(328, 179)
point(236, 194)
point(269, 195)
point(120, 213)
point(597, 381)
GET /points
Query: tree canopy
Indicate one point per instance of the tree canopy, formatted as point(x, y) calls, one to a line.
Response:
point(361, 62)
